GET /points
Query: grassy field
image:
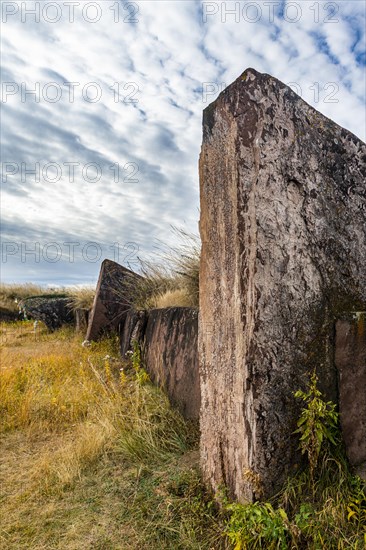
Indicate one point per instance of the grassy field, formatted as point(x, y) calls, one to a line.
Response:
point(92, 455)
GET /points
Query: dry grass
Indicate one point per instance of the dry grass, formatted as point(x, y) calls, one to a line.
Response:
point(82, 297)
point(174, 298)
point(171, 279)
point(20, 339)
point(92, 456)
point(11, 294)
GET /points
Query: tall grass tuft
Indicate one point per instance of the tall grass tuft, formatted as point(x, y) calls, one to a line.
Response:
point(81, 297)
point(171, 279)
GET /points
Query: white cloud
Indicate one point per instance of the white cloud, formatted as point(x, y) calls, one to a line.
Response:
point(164, 60)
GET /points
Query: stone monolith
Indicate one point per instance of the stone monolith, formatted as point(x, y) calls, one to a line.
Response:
point(283, 221)
point(167, 338)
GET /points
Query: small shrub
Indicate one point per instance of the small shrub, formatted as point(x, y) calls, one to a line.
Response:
point(317, 425)
point(257, 525)
point(323, 506)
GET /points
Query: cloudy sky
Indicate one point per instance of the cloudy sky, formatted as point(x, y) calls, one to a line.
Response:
point(102, 108)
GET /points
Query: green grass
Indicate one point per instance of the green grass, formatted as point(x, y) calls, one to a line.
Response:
point(332, 517)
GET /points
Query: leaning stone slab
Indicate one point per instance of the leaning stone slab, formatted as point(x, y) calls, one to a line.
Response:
point(283, 222)
point(112, 299)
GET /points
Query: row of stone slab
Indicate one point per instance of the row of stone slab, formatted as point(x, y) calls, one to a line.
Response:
point(283, 231)
point(167, 337)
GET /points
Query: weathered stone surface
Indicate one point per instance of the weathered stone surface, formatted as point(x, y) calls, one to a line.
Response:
point(171, 355)
point(53, 311)
point(81, 319)
point(132, 328)
point(168, 340)
point(351, 363)
point(112, 299)
point(283, 217)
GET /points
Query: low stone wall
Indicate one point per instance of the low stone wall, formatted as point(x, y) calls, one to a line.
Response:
point(167, 337)
point(168, 340)
point(53, 311)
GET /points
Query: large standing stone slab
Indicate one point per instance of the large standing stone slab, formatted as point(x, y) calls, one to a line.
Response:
point(283, 218)
point(112, 299)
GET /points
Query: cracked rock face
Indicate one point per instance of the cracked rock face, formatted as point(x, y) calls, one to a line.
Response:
point(283, 223)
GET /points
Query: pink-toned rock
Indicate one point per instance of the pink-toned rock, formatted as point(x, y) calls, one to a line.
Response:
point(112, 299)
point(171, 356)
point(168, 341)
point(283, 222)
point(351, 363)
